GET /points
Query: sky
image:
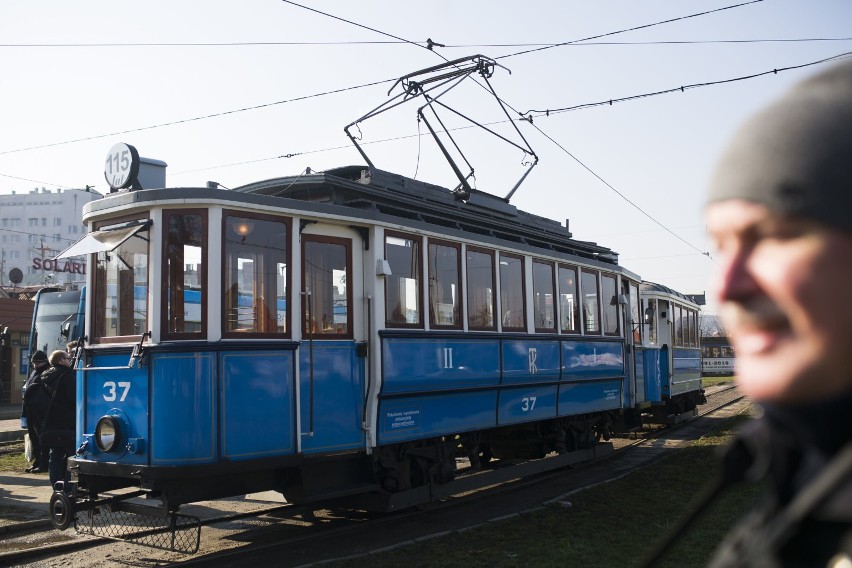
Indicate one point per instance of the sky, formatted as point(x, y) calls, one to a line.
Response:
point(237, 92)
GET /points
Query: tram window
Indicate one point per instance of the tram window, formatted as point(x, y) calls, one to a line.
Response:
point(185, 274)
point(402, 286)
point(695, 329)
point(635, 320)
point(512, 292)
point(610, 305)
point(678, 321)
point(651, 320)
point(255, 275)
point(444, 285)
point(543, 308)
point(326, 277)
point(480, 289)
point(568, 304)
point(591, 302)
point(687, 328)
point(120, 297)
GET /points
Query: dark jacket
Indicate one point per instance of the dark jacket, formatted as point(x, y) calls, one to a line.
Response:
point(63, 410)
point(35, 375)
point(805, 515)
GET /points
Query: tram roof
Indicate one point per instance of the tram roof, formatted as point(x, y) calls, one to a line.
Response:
point(397, 196)
point(379, 196)
point(647, 286)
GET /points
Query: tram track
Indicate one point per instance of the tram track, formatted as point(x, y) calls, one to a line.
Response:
point(284, 527)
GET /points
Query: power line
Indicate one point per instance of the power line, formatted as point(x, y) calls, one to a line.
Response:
point(621, 195)
point(644, 26)
point(682, 88)
point(196, 118)
point(36, 181)
point(356, 24)
point(205, 44)
point(425, 43)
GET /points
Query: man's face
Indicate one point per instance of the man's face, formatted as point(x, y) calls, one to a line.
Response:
point(783, 288)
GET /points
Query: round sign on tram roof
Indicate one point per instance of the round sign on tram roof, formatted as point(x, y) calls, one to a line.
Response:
point(121, 166)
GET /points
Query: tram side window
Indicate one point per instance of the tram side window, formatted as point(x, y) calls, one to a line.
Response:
point(402, 286)
point(543, 308)
point(185, 274)
point(591, 302)
point(610, 305)
point(635, 320)
point(512, 292)
point(326, 270)
point(678, 321)
point(255, 275)
point(480, 289)
point(444, 285)
point(651, 320)
point(569, 304)
point(120, 307)
point(695, 342)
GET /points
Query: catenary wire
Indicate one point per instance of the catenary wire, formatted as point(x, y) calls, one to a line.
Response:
point(197, 118)
point(422, 43)
point(683, 88)
point(644, 26)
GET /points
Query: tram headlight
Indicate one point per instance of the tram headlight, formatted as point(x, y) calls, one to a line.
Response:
point(107, 433)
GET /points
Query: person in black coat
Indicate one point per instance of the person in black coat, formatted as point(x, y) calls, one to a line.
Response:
point(32, 413)
point(60, 419)
point(780, 213)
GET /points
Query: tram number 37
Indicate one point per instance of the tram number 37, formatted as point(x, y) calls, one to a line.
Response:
point(527, 403)
point(112, 389)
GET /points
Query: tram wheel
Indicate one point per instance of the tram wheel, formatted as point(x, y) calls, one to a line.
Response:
point(61, 510)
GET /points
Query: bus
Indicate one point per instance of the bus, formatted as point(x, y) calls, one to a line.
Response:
point(717, 357)
point(57, 319)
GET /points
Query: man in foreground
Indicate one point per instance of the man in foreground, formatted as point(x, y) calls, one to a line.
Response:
point(780, 213)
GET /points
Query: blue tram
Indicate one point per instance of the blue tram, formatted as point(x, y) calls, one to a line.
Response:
point(352, 332)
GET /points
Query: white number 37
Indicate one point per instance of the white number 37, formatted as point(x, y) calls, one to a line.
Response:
point(111, 390)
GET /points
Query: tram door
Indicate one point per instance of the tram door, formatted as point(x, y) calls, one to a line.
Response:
point(666, 343)
point(331, 352)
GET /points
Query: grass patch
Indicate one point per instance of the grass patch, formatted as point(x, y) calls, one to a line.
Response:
point(12, 457)
point(712, 381)
point(615, 524)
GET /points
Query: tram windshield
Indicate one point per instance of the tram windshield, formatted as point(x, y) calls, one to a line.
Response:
point(121, 283)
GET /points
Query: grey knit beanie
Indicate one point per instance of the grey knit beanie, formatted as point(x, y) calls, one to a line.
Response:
point(795, 156)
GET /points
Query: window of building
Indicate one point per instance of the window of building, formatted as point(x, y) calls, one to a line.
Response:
point(57, 221)
point(480, 289)
point(512, 292)
point(120, 280)
point(16, 223)
point(403, 307)
point(569, 304)
point(44, 221)
point(184, 274)
point(609, 307)
point(72, 229)
point(591, 302)
point(327, 281)
point(56, 237)
point(33, 222)
point(444, 285)
point(544, 310)
point(255, 261)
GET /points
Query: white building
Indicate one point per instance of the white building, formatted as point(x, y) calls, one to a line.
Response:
point(34, 228)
